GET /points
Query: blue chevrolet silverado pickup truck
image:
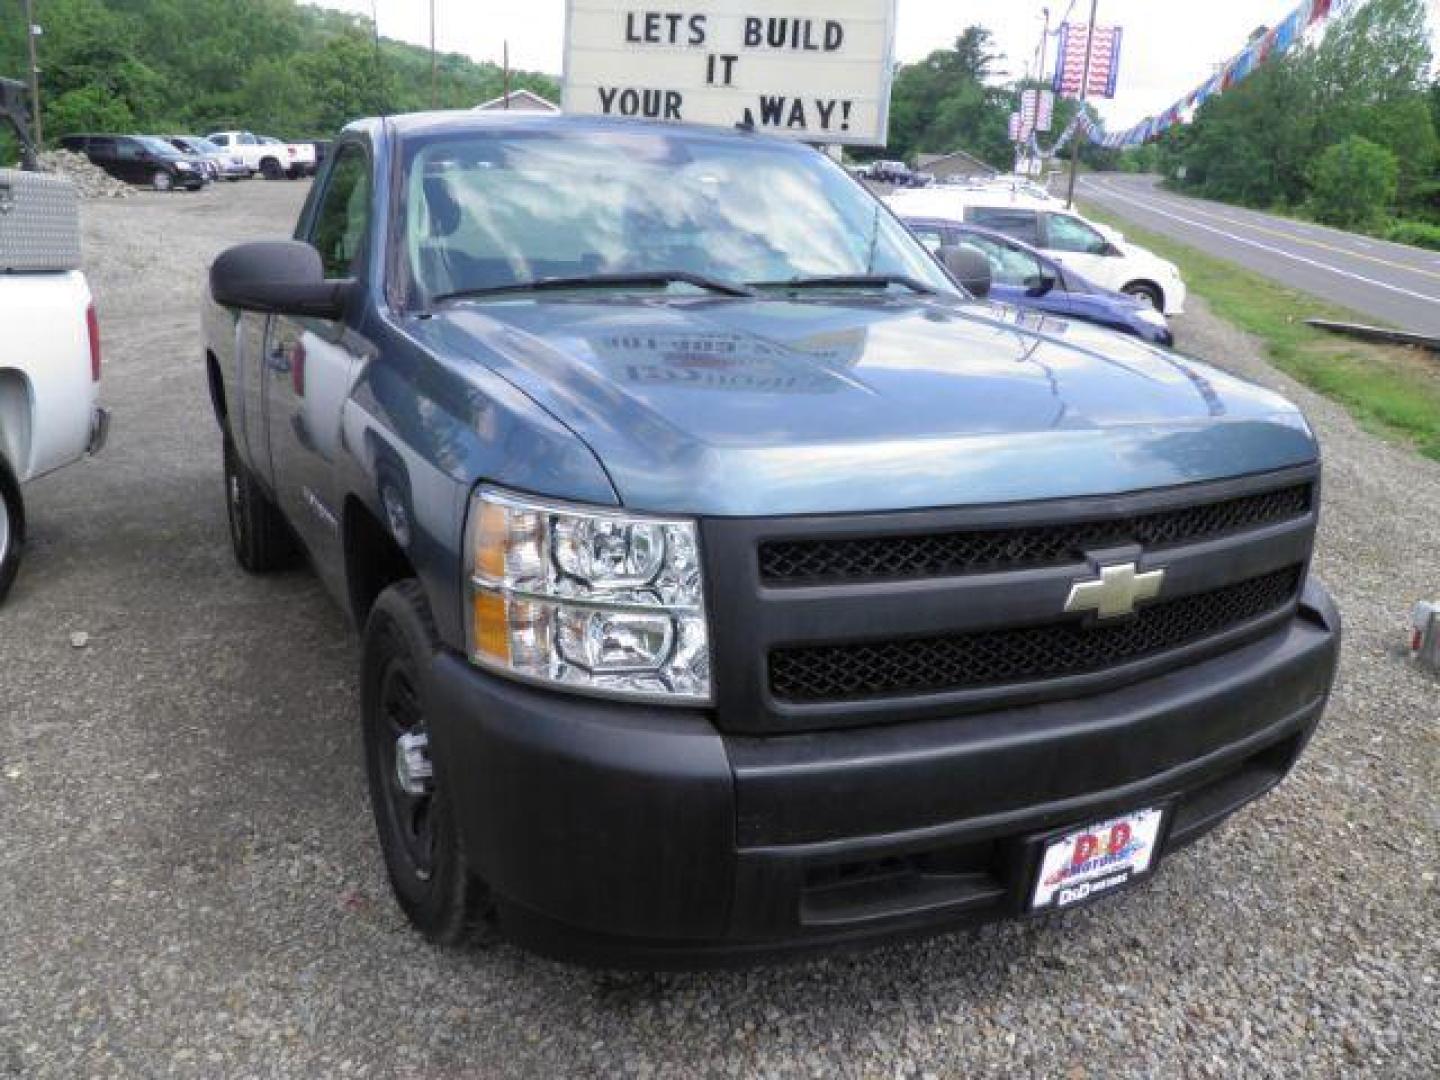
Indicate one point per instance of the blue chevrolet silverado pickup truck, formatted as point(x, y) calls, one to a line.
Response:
point(732, 582)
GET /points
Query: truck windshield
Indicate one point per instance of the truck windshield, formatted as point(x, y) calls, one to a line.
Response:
point(501, 210)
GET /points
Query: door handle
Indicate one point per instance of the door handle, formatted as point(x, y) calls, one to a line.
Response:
point(278, 360)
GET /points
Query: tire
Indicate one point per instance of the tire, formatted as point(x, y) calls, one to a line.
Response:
point(419, 835)
point(1151, 294)
point(271, 170)
point(161, 180)
point(12, 527)
point(259, 536)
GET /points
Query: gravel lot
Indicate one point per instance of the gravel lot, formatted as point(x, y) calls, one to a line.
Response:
point(189, 883)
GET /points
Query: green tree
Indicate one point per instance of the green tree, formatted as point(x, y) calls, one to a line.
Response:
point(275, 66)
point(1262, 142)
point(343, 78)
point(89, 108)
point(1355, 183)
point(947, 102)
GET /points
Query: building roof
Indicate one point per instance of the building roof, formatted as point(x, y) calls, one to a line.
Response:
point(519, 101)
point(927, 161)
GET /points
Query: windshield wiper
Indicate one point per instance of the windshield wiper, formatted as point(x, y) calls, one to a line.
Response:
point(851, 281)
point(603, 281)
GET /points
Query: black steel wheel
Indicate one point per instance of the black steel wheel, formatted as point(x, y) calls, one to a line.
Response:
point(419, 836)
point(259, 536)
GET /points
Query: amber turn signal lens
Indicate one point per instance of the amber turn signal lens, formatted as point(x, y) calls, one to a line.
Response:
point(491, 634)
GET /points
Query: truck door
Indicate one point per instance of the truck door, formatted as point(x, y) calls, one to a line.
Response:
point(310, 365)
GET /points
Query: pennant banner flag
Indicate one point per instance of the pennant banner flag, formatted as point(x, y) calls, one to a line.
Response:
point(1104, 60)
point(1275, 42)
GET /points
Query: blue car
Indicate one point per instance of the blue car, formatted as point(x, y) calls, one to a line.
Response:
point(1025, 278)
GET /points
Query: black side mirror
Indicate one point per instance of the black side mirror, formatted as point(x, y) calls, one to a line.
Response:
point(1043, 285)
point(279, 277)
point(969, 267)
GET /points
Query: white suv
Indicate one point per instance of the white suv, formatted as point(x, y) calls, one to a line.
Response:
point(1099, 255)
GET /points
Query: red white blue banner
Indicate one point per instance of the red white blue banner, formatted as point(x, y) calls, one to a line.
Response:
point(1104, 61)
point(1275, 42)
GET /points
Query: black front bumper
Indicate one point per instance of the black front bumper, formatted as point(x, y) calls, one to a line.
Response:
point(640, 835)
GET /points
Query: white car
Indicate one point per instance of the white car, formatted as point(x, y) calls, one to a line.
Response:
point(1099, 255)
point(50, 348)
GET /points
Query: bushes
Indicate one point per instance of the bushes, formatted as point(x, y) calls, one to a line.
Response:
point(1416, 233)
point(89, 108)
point(1354, 184)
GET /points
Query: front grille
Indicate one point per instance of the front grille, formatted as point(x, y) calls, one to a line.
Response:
point(973, 551)
point(829, 673)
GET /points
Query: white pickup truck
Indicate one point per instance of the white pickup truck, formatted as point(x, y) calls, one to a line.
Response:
point(50, 346)
point(266, 155)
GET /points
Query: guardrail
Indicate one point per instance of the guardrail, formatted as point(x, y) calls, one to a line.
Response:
point(1381, 334)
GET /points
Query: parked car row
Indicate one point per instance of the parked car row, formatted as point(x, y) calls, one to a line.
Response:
point(189, 161)
point(892, 173)
point(1096, 252)
point(1023, 277)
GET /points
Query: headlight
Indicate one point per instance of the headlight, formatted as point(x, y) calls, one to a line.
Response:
point(587, 599)
point(183, 166)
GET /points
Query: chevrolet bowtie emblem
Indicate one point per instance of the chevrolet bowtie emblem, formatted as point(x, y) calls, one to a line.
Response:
point(1119, 590)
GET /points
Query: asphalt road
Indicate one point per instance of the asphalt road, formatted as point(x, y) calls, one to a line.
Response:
point(1391, 284)
point(190, 884)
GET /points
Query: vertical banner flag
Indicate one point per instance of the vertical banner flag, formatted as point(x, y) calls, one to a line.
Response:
point(1037, 108)
point(1104, 60)
point(822, 77)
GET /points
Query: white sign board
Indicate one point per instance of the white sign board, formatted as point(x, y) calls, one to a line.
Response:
point(819, 71)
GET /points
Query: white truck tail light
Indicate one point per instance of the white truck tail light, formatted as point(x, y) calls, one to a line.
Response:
point(92, 329)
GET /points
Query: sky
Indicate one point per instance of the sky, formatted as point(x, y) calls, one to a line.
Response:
point(1170, 46)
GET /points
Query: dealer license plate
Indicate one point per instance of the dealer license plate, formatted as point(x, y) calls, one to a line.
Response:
point(1097, 859)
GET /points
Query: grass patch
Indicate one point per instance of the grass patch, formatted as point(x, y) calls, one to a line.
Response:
point(1392, 391)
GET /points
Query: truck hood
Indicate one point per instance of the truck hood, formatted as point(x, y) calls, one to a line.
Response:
point(765, 407)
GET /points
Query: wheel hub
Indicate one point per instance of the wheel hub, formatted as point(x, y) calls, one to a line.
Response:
point(413, 770)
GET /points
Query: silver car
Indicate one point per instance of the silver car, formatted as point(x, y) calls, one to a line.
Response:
point(222, 164)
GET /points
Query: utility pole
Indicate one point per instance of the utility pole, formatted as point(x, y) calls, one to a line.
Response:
point(1040, 89)
point(1079, 117)
point(1044, 46)
point(434, 70)
point(35, 121)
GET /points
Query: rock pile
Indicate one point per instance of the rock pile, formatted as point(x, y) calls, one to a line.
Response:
point(91, 181)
